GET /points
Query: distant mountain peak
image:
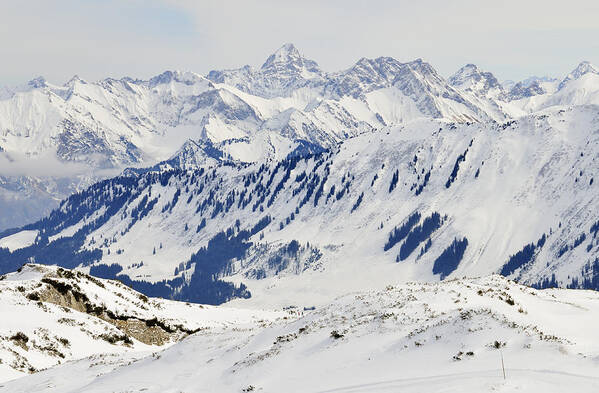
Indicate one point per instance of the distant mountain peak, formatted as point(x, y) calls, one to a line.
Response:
point(422, 66)
point(537, 79)
point(522, 90)
point(529, 87)
point(418, 61)
point(365, 64)
point(469, 70)
point(471, 78)
point(364, 61)
point(285, 70)
point(169, 76)
point(75, 79)
point(289, 57)
point(285, 54)
point(38, 82)
point(583, 68)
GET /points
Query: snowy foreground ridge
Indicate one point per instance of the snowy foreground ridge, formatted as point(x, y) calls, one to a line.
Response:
point(413, 337)
point(53, 315)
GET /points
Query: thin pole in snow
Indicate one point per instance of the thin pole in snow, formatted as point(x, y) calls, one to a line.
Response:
point(502, 366)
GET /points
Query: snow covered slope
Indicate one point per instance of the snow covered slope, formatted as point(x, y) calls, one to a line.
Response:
point(19, 240)
point(423, 201)
point(52, 315)
point(449, 336)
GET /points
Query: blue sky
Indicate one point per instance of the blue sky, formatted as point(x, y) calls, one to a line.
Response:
point(141, 38)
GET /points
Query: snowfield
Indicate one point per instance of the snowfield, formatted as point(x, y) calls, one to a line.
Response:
point(413, 337)
point(18, 240)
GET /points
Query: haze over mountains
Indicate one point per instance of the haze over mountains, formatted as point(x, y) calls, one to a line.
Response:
point(55, 140)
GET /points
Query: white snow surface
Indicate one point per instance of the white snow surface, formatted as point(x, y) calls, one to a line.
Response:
point(413, 337)
point(18, 240)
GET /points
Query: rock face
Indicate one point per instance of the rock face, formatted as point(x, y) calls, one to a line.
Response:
point(70, 295)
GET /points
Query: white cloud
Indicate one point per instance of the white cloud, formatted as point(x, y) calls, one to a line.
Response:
point(46, 164)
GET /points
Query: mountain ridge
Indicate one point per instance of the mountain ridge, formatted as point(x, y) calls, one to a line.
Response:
point(227, 230)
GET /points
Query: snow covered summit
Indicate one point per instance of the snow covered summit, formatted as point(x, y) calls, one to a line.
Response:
point(471, 78)
point(583, 68)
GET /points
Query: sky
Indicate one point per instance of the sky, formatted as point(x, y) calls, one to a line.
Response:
point(96, 39)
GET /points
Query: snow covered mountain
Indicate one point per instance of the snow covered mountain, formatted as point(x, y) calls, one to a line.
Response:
point(471, 79)
point(57, 139)
point(451, 336)
point(82, 132)
point(582, 69)
point(52, 315)
point(284, 72)
point(530, 87)
point(424, 201)
point(579, 87)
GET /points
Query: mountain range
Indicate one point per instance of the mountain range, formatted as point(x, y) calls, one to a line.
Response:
point(427, 200)
point(252, 175)
point(56, 140)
